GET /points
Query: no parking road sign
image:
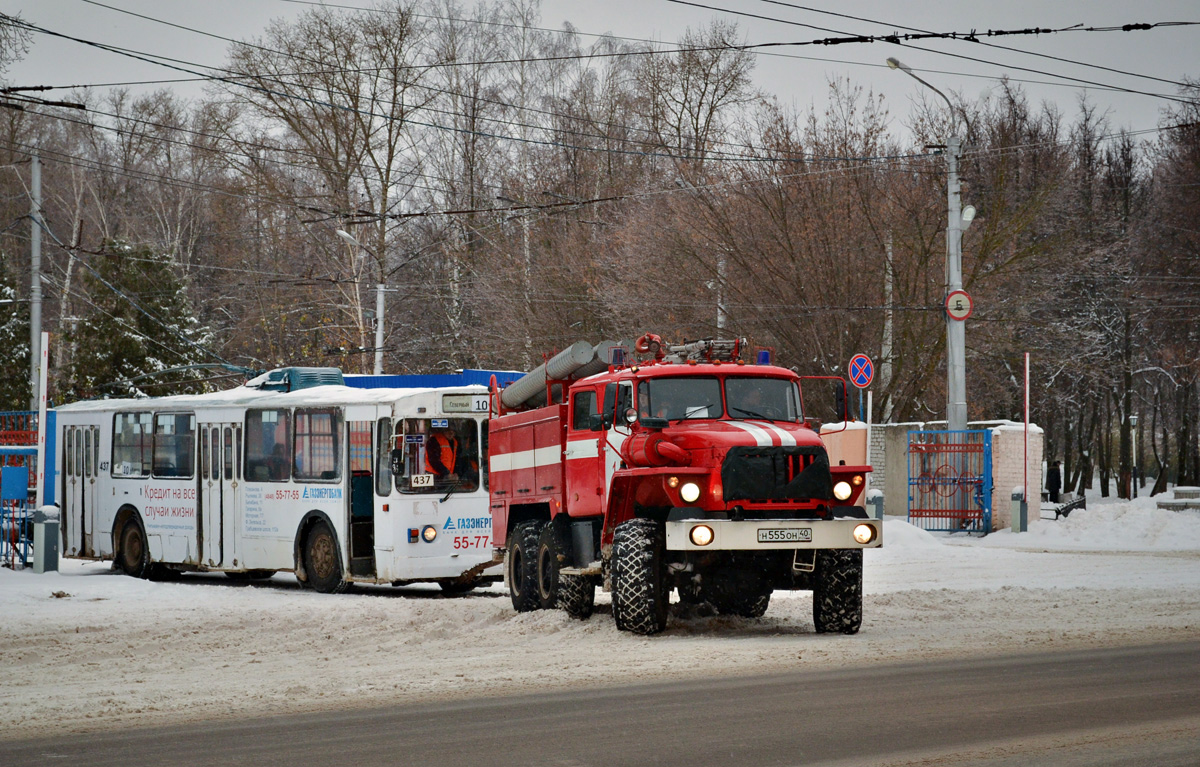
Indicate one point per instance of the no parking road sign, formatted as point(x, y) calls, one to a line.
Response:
point(861, 370)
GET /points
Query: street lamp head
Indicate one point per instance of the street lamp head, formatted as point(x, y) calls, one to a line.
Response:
point(348, 238)
point(894, 62)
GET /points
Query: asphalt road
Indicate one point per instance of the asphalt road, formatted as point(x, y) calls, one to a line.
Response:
point(1123, 707)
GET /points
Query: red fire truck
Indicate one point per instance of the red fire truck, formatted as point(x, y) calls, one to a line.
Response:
point(681, 468)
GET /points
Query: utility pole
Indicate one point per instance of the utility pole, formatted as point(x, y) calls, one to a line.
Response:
point(956, 352)
point(35, 288)
point(885, 351)
point(956, 343)
point(379, 329)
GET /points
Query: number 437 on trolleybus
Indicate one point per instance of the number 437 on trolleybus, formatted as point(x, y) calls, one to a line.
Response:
point(293, 471)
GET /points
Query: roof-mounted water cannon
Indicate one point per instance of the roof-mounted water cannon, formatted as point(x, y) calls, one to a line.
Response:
point(707, 350)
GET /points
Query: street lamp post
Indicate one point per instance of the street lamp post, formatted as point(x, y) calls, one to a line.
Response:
point(379, 289)
point(956, 353)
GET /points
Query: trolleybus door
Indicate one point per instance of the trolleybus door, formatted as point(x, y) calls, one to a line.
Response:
point(76, 535)
point(220, 488)
point(90, 489)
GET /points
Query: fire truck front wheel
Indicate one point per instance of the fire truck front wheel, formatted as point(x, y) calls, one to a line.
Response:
point(640, 592)
point(837, 591)
point(522, 566)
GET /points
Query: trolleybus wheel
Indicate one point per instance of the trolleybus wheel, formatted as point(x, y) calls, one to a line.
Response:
point(322, 562)
point(454, 587)
point(521, 566)
point(135, 555)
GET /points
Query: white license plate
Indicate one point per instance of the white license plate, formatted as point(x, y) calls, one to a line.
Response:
point(422, 480)
point(785, 535)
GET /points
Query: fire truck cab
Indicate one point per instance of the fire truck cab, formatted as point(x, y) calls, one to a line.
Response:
point(689, 470)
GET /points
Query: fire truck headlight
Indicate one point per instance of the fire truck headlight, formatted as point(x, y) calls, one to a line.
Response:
point(864, 534)
point(701, 535)
point(842, 491)
point(689, 492)
point(429, 533)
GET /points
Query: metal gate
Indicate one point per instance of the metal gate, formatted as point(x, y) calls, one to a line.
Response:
point(950, 480)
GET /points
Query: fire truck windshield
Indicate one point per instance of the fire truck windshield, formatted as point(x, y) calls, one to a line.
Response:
point(678, 398)
point(768, 399)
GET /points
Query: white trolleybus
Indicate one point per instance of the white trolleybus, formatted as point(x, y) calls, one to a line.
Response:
point(334, 483)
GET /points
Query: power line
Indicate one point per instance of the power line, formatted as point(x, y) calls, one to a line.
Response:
point(896, 39)
point(975, 39)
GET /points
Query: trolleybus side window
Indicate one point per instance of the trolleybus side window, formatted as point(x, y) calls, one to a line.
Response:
point(317, 455)
point(87, 453)
point(439, 454)
point(132, 444)
point(174, 444)
point(205, 463)
point(383, 450)
point(268, 435)
point(228, 452)
point(79, 452)
point(70, 451)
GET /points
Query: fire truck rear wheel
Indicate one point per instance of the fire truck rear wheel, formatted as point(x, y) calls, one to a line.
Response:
point(837, 591)
point(548, 579)
point(577, 595)
point(640, 594)
point(323, 562)
point(521, 566)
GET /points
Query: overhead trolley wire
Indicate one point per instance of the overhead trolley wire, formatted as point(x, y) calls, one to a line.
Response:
point(974, 37)
point(900, 39)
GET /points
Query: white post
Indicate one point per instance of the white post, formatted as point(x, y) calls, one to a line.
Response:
point(40, 477)
point(1027, 428)
point(869, 409)
point(379, 330)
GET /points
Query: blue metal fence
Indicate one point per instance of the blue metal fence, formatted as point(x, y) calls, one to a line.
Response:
point(18, 470)
point(950, 480)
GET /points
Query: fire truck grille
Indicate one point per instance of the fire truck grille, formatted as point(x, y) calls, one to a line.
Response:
point(777, 474)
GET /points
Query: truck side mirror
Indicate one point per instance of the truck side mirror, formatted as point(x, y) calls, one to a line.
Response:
point(839, 400)
point(599, 421)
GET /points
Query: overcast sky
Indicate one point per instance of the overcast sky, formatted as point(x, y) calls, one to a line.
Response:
point(796, 75)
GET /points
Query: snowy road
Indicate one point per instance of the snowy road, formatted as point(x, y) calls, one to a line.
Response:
point(1083, 708)
point(118, 652)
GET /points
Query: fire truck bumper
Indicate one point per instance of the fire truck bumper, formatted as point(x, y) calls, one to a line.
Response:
point(762, 534)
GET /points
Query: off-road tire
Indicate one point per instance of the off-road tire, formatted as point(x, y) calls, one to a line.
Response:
point(577, 595)
point(640, 594)
point(550, 556)
point(837, 591)
point(135, 553)
point(520, 565)
point(323, 561)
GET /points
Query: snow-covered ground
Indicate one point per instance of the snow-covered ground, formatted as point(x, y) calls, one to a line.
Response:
point(87, 648)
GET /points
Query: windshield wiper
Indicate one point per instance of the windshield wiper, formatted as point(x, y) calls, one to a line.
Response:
point(754, 414)
point(453, 489)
